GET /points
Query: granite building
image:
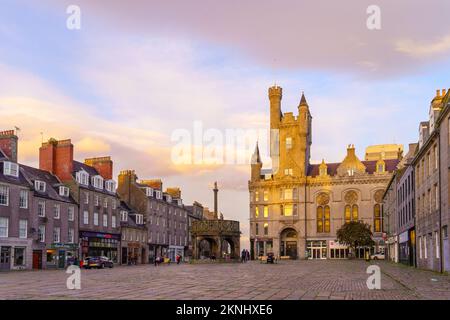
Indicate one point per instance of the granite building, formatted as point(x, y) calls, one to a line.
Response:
point(296, 207)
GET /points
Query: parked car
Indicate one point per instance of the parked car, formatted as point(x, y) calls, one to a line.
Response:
point(98, 262)
point(377, 256)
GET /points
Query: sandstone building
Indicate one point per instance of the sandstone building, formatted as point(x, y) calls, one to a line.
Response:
point(297, 207)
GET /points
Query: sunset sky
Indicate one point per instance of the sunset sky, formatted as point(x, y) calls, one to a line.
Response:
point(138, 70)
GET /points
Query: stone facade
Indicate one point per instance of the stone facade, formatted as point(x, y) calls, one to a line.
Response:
point(296, 207)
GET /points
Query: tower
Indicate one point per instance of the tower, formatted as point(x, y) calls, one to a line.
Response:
point(256, 164)
point(216, 190)
point(275, 96)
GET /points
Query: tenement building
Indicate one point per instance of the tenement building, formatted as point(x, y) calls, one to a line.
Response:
point(38, 216)
point(91, 185)
point(297, 207)
point(399, 212)
point(134, 236)
point(431, 170)
point(164, 214)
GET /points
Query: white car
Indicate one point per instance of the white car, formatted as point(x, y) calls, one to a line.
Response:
point(377, 256)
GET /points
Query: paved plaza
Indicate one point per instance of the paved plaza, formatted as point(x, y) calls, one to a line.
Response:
point(329, 279)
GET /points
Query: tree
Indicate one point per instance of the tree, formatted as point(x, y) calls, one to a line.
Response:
point(355, 234)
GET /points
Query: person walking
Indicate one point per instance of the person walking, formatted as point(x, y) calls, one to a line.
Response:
point(243, 256)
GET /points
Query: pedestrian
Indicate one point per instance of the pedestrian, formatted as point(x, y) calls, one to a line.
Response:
point(243, 255)
point(248, 255)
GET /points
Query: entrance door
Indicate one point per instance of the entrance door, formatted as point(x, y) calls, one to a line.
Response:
point(61, 259)
point(5, 258)
point(37, 259)
point(291, 249)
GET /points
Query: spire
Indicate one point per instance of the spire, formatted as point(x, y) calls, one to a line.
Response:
point(303, 100)
point(256, 158)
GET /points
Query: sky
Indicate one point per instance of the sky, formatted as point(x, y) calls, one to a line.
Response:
point(136, 72)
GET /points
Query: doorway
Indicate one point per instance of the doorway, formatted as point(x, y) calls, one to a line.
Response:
point(288, 243)
point(5, 258)
point(37, 259)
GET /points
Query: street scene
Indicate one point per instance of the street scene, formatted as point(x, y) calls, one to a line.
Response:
point(291, 280)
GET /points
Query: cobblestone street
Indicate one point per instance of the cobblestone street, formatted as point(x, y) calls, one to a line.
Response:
point(329, 279)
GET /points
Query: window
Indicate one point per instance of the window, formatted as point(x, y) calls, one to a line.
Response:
point(113, 221)
point(351, 172)
point(63, 191)
point(57, 211)
point(114, 204)
point(123, 216)
point(23, 200)
point(425, 249)
point(158, 194)
point(110, 185)
point(95, 219)
point(355, 212)
point(105, 203)
point(96, 200)
point(256, 195)
point(86, 217)
point(256, 229)
point(266, 229)
point(436, 159)
point(86, 198)
point(82, 177)
point(348, 216)
point(436, 237)
point(380, 168)
point(4, 223)
point(266, 211)
point(323, 219)
point(56, 234)
point(97, 182)
point(266, 195)
point(377, 218)
point(4, 195)
point(105, 220)
point(288, 194)
point(169, 198)
point(256, 212)
point(41, 208)
point(288, 172)
point(23, 227)
point(19, 256)
point(71, 235)
point(39, 186)
point(41, 233)
point(287, 210)
point(288, 143)
point(71, 213)
point(436, 197)
point(11, 169)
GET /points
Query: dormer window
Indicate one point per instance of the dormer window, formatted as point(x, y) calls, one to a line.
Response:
point(149, 192)
point(180, 202)
point(288, 143)
point(380, 168)
point(123, 216)
point(39, 186)
point(110, 185)
point(97, 182)
point(82, 178)
point(63, 191)
point(10, 169)
point(351, 172)
point(139, 219)
point(158, 194)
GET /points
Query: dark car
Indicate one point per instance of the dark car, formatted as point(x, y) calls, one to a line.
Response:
point(98, 262)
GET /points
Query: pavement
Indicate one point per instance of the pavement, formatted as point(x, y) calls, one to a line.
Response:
point(291, 280)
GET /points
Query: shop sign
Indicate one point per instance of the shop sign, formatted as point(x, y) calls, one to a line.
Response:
point(72, 246)
point(403, 237)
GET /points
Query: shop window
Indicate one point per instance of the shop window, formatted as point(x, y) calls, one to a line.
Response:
point(19, 257)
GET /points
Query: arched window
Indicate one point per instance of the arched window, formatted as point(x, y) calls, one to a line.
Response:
point(377, 218)
point(319, 219)
point(323, 219)
point(266, 229)
point(351, 213)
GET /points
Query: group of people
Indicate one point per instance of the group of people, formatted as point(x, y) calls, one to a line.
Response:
point(245, 255)
point(158, 260)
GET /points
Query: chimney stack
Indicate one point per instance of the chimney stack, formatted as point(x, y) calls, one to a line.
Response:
point(103, 165)
point(9, 144)
point(57, 157)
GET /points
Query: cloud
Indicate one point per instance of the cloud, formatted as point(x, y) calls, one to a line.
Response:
point(423, 50)
point(286, 34)
point(92, 145)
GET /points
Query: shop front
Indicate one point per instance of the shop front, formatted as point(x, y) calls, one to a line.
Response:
point(316, 249)
point(15, 254)
point(174, 251)
point(338, 250)
point(132, 253)
point(264, 246)
point(100, 244)
point(406, 247)
point(60, 255)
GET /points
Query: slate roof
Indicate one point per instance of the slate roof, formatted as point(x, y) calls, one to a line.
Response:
point(21, 180)
point(77, 166)
point(391, 165)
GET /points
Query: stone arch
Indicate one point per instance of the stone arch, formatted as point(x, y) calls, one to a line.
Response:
point(208, 251)
point(289, 238)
